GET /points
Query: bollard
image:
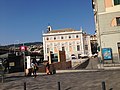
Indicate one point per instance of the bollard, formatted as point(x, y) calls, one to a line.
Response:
point(58, 85)
point(103, 86)
point(2, 79)
point(24, 85)
point(2, 76)
point(111, 89)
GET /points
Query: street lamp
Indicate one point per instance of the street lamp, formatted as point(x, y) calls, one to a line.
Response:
point(22, 48)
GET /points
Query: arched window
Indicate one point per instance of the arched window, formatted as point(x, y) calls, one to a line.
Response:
point(47, 38)
point(69, 36)
point(76, 36)
point(62, 37)
point(54, 38)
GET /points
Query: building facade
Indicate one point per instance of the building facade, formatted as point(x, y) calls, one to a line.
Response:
point(73, 42)
point(107, 20)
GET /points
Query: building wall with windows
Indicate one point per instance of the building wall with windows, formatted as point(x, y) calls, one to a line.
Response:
point(69, 40)
point(107, 20)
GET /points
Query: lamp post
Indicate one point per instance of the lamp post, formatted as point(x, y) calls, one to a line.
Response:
point(22, 48)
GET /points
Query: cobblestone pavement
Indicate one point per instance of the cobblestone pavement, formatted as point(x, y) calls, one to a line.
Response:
point(90, 80)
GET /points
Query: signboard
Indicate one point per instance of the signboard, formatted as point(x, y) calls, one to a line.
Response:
point(23, 48)
point(107, 53)
point(12, 64)
point(28, 62)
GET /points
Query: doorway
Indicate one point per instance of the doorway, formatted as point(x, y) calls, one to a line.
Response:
point(119, 50)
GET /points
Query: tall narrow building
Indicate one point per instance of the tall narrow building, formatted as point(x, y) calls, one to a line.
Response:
point(107, 20)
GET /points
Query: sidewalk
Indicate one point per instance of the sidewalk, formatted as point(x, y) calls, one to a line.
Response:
point(41, 73)
point(69, 71)
point(109, 66)
point(100, 67)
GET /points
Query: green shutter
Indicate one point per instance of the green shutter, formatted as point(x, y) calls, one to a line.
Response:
point(116, 2)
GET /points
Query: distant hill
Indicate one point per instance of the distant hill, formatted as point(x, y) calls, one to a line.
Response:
point(26, 44)
point(33, 47)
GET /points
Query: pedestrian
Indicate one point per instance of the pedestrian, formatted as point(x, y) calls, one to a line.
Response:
point(35, 67)
point(48, 68)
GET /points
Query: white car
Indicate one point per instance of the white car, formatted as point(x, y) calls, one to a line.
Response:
point(93, 55)
point(83, 56)
point(73, 56)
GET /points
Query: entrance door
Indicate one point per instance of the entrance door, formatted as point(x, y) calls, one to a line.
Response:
point(119, 50)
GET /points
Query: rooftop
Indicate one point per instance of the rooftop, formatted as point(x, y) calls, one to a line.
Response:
point(61, 30)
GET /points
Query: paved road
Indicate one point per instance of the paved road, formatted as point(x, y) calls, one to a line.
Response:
point(90, 80)
point(93, 62)
point(90, 63)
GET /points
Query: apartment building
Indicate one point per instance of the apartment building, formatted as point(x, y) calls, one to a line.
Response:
point(107, 20)
point(73, 42)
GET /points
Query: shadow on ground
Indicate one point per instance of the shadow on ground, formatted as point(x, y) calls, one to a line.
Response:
point(83, 65)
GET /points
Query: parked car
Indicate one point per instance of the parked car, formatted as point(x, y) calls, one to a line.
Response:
point(83, 56)
point(73, 56)
point(93, 55)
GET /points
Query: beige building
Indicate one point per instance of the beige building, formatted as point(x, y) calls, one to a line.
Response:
point(73, 42)
point(107, 20)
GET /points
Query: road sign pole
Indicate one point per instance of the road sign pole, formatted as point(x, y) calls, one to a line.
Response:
point(22, 48)
point(24, 62)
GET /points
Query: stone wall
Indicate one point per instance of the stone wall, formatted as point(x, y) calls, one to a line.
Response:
point(57, 66)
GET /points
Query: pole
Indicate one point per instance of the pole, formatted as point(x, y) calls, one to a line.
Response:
point(103, 86)
point(2, 72)
point(58, 85)
point(2, 76)
point(24, 85)
point(14, 48)
point(24, 60)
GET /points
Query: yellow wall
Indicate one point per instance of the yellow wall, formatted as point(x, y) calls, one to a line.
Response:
point(108, 3)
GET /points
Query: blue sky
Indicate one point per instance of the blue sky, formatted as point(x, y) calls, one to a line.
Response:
point(24, 20)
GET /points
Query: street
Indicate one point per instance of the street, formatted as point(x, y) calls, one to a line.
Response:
point(90, 80)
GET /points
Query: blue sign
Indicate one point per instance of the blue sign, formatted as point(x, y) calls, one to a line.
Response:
point(107, 53)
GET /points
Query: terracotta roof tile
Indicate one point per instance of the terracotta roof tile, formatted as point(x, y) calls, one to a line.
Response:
point(62, 30)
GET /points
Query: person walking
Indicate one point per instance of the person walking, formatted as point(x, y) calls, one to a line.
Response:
point(35, 67)
point(48, 68)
